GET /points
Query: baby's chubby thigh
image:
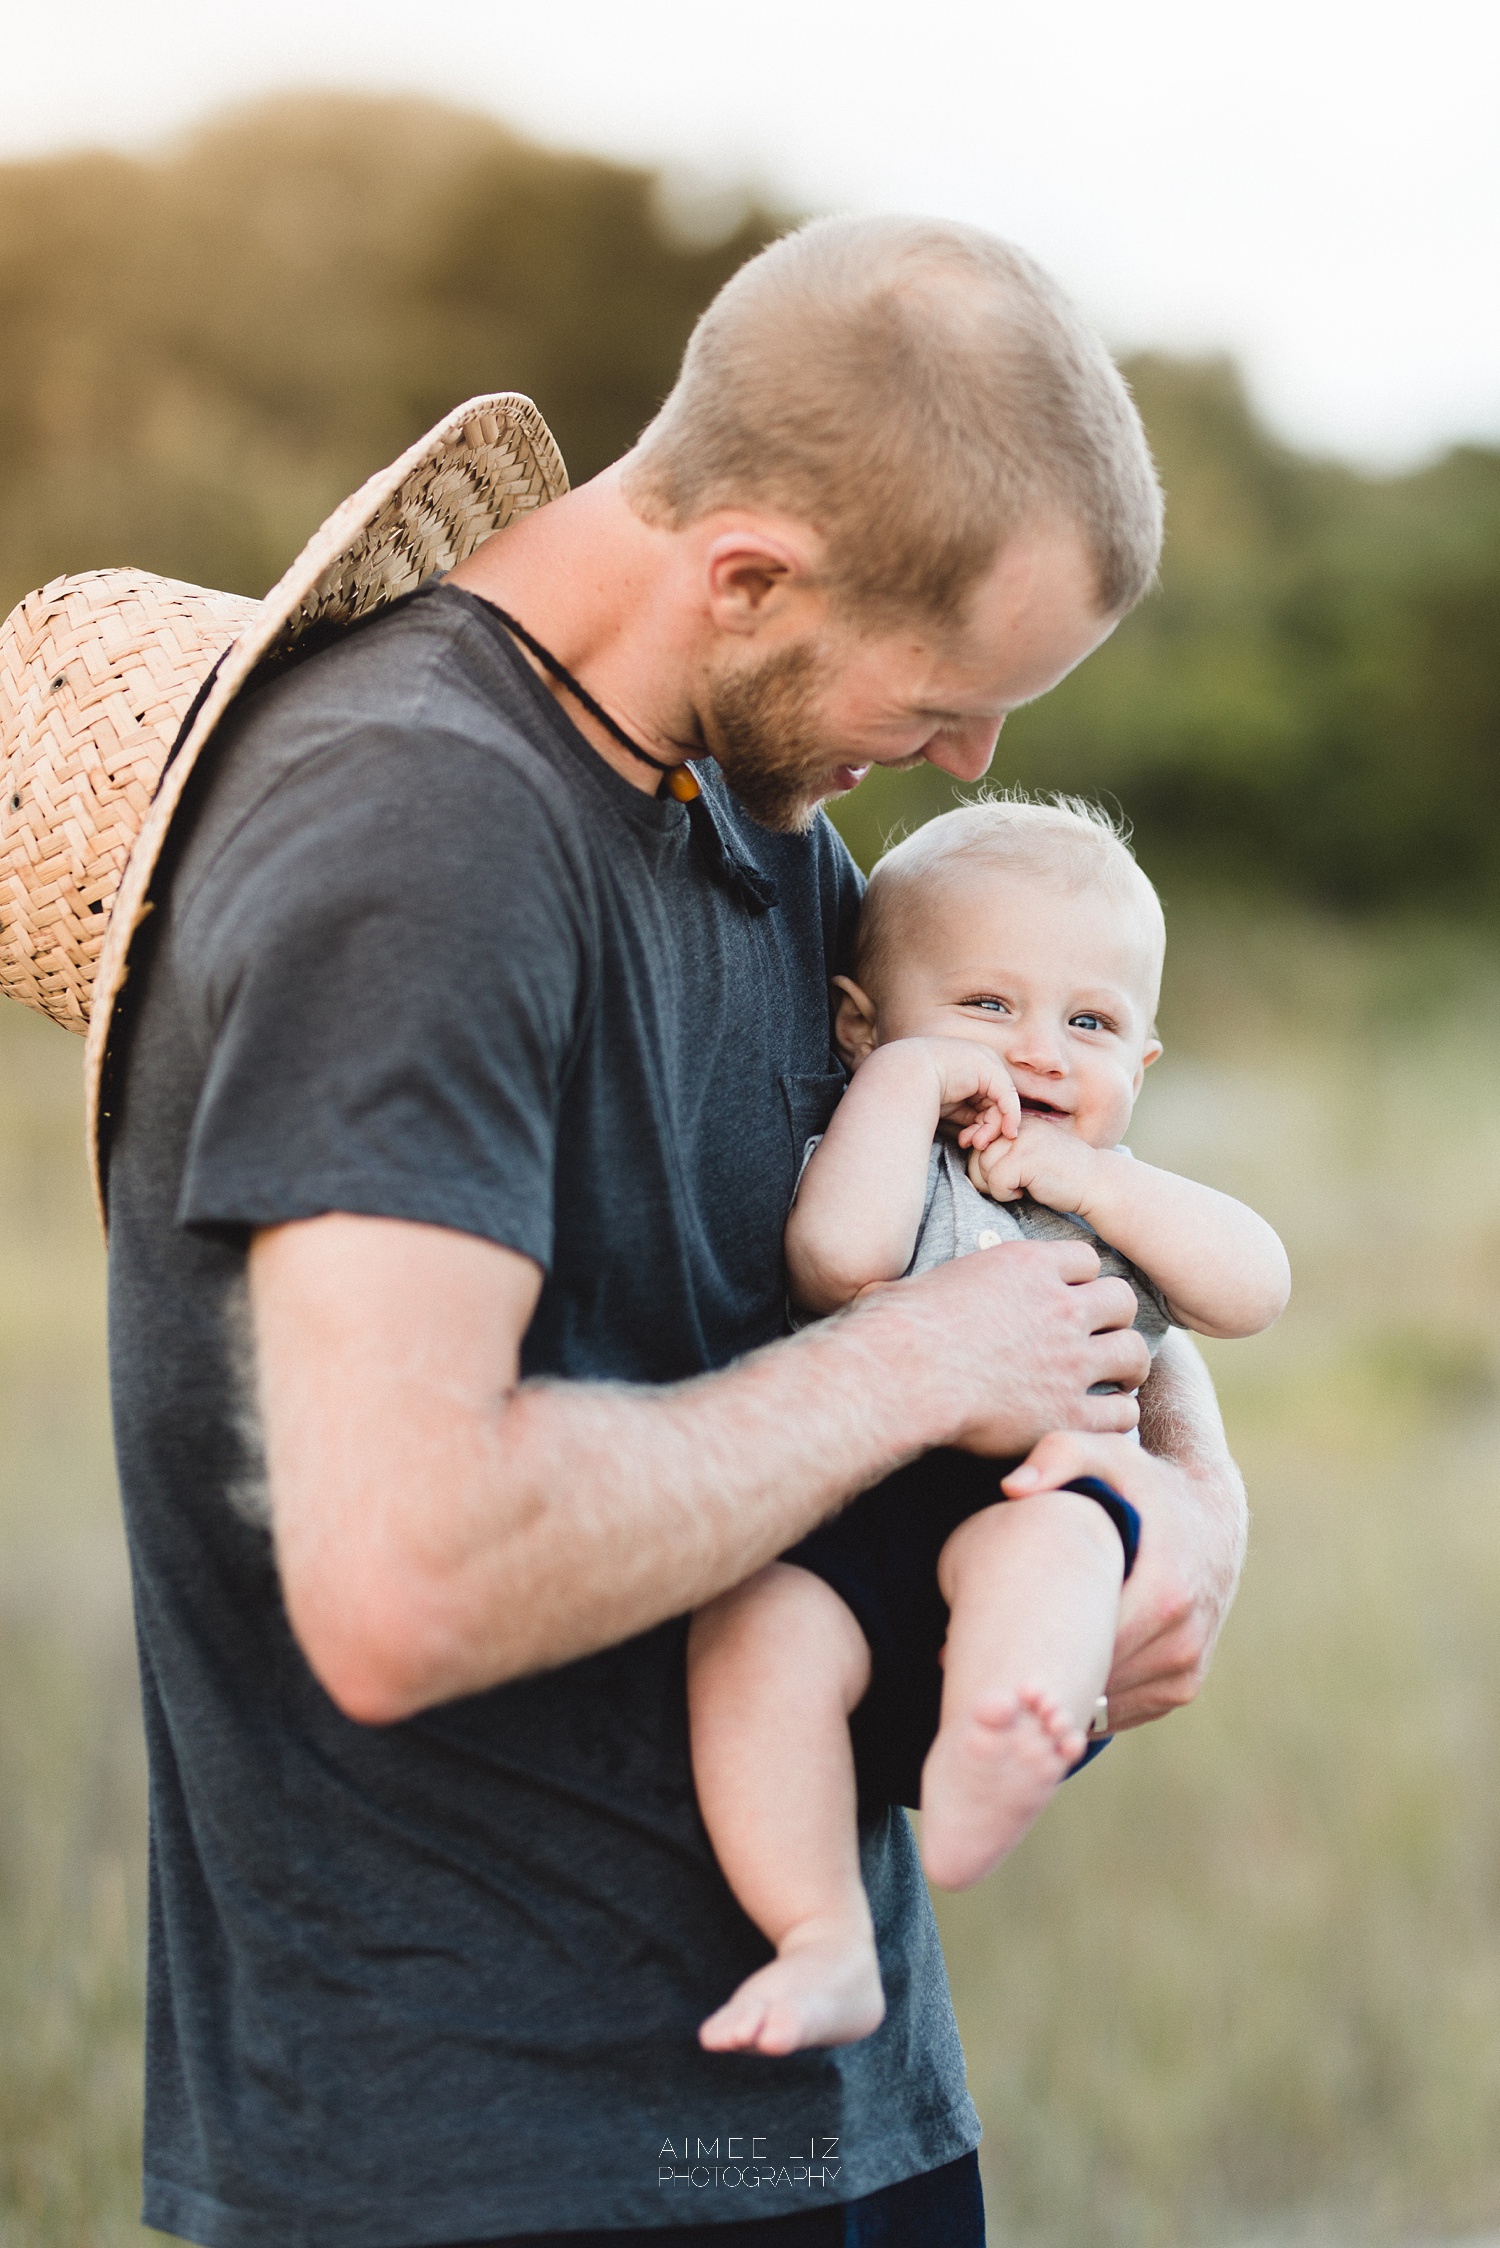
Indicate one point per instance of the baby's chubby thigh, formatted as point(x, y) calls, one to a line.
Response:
point(782, 1639)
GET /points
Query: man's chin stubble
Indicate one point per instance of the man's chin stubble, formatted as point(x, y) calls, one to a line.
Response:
point(764, 737)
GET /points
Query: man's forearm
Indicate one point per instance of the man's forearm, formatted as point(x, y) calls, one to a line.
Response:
point(643, 1503)
point(577, 1514)
point(440, 1530)
point(1171, 1623)
point(1181, 1422)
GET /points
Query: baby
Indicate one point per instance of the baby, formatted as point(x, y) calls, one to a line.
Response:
point(1009, 961)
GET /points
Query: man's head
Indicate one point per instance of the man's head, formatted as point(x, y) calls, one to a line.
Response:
point(922, 404)
point(1026, 926)
point(916, 390)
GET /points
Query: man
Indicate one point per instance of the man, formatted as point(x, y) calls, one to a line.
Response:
point(451, 1153)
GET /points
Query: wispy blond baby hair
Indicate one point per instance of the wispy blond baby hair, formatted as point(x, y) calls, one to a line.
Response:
point(1064, 840)
point(917, 390)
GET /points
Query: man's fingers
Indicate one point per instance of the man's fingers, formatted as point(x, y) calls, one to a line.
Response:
point(1143, 1705)
point(1078, 1264)
point(1159, 1673)
point(1112, 1415)
point(1110, 1304)
point(1120, 1356)
point(1064, 1453)
point(1159, 1678)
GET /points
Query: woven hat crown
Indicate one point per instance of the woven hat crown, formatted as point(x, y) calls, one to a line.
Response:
point(99, 671)
point(96, 672)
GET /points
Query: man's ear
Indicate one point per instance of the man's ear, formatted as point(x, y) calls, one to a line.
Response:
point(853, 1022)
point(758, 568)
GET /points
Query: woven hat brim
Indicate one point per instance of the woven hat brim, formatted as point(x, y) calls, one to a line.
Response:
point(489, 461)
point(97, 671)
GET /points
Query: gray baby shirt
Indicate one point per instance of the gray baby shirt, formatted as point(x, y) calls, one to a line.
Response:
point(957, 1219)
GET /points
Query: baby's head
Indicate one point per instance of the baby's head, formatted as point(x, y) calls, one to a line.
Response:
point(1027, 926)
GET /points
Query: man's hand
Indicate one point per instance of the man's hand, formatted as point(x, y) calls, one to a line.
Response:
point(1030, 1329)
point(1192, 1506)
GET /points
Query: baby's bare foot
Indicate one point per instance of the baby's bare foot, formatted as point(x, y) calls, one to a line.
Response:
point(987, 1777)
point(822, 1988)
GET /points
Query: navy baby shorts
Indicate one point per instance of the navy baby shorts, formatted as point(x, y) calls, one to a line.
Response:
point(880, 1556)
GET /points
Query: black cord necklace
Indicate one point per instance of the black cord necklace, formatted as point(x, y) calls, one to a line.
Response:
point(680, 777)
point(728, 867)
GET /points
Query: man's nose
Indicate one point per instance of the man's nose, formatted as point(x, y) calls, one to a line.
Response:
point(965, 751)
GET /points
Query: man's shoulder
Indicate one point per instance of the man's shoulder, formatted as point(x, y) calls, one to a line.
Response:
point(413, 723)
point(426, 672)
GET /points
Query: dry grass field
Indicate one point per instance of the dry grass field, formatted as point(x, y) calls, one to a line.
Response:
point(1242, 1985)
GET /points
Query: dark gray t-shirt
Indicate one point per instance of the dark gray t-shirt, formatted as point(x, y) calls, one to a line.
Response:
point(424, 955)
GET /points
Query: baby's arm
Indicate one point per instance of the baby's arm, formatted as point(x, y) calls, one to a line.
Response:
point(859, 1204)
point(1220, 1267)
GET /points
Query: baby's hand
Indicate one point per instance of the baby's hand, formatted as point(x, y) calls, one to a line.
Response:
point(1044, 1160)
point(975, 1092)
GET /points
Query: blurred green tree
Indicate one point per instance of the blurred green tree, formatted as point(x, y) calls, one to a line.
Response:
point(199, 355)
point(1310, 701)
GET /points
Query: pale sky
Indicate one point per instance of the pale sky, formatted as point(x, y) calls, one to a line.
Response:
point(1311, 184)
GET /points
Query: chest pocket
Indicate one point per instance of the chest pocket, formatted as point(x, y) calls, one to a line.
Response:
point(810, 1102)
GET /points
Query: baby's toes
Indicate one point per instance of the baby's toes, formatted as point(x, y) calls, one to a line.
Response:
point(1059, 1727)
point(736, 2027)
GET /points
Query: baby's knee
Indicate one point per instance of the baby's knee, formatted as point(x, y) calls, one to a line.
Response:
point(977, 1538)
point(1061, 1530)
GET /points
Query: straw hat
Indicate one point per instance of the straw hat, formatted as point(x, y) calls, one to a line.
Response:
point(111, 684)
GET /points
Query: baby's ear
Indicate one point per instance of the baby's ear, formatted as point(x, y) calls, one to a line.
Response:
point(1150, 1052)
point(853, 1022)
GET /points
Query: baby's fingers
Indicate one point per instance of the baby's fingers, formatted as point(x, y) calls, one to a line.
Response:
point(1008, 1105)
point(999, 1117)
point(992, 1174)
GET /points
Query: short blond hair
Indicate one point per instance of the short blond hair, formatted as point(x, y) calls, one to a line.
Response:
point(916, 390)
point(1065, 840)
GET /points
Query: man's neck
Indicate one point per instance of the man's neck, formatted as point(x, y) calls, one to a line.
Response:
point(601, 589)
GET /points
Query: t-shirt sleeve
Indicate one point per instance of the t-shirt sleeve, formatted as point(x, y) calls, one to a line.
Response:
point(389, 959)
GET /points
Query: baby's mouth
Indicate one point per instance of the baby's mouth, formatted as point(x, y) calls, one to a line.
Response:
point(1029, 1107)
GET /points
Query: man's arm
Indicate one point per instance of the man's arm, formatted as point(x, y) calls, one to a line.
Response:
point(441, 1528)
point(1191, 1498)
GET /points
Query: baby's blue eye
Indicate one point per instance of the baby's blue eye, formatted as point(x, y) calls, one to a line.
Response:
point(1090, 1022)
point(991, 1006)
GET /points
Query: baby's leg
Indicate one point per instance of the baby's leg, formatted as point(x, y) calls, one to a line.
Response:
point(1033, 1587)
point(774, 1669)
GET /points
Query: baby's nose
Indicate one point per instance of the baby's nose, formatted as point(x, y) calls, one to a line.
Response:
point(1038, 1050)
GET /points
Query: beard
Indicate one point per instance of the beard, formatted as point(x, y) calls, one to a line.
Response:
point(763, 727)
